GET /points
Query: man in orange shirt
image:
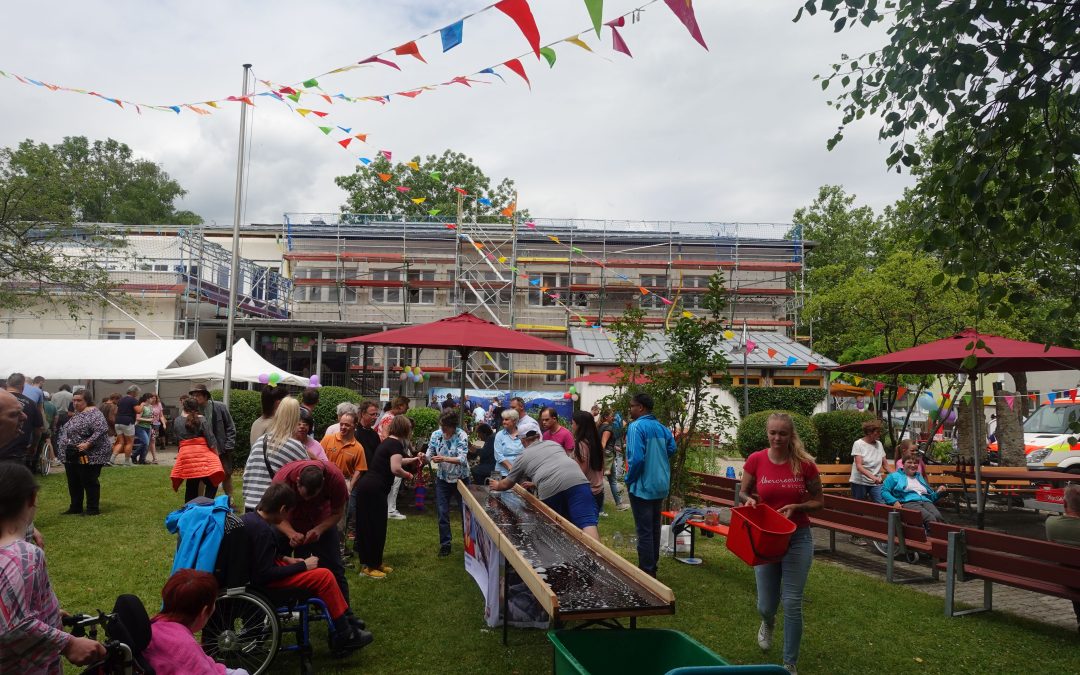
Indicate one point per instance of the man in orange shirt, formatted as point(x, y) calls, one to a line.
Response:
point(345, 451)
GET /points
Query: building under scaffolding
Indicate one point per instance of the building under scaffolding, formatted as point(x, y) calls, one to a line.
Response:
point(359, 274)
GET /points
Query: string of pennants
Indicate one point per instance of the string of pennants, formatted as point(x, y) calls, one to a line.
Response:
point(450, 36)
point(944, 400)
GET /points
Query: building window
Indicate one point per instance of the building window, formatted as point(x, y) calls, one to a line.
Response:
point(783, 381)
point(809, 382)
point(396, 357)
point(578, 298)
point(386, 295)
point(422, 296)
point(739, 380)
point(559, 284)
point(556, 362)
point(656, 283)
point(694, 300)
point(118, 334)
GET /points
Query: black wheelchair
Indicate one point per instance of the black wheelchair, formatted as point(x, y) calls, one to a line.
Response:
point(127, 633)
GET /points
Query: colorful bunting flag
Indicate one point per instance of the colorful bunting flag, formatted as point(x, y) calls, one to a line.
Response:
point(410, 49)
point(858, 380)
point(688, 315)
point(519, 11)
point(987, 400)
point(556, 240)
point(402, 188)
point(596, 13)
point(419, 200)
point(684, 9)
point(461, 191)
point(386, 153)
point(644, 291)
point(1009, 401)
point(484, 200)
point(811, 367)
point(509, 210)
point(413, 165)
point(771, 352)
point(878, 386)
point(576, 40)
point(750, 346)
point(384, 177)
point(1051, 396)
point(791, 360)
point(900, 391)
point(345, 142)
point(311, 84)
point(385, 62)
point(515, 65)
point(531, 225)
point(665, 300)
point(434, 212)
point(617, 43)
point(451, 35)
point(436, 175)
point(326, 130)
point(361, 137)
point(1072, 394)
point(547, 52)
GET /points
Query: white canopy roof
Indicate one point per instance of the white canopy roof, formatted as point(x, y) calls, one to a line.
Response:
point(130, 360)
point(247, 366)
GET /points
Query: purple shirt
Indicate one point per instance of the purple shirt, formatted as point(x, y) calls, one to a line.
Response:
point(563, 437)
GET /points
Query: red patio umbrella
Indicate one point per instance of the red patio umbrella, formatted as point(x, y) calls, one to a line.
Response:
point(466, 334)
point(612, 376)
point(948, 355)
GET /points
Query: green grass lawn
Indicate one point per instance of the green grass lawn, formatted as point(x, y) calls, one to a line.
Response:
point(427, 617)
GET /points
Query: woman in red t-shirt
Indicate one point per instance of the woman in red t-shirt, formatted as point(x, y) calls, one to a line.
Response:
point(785, 477)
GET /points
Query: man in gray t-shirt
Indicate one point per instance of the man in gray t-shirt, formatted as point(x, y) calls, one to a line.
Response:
point(559, 481)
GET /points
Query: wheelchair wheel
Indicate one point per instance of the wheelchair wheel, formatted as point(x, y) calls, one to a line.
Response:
point(882, 548)
point(243, 632)
point(44, 461)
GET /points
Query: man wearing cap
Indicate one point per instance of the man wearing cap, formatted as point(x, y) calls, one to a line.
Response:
point(559, 481)
point(221, 422)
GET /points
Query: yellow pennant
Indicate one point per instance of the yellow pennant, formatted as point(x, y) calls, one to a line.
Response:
point(413, 165)
point(502, 259)
point(858, 380)
point(576, 40)
point(728, 334)
point(987, 400)
point(688, 315)
point(303, 112)
point(419, 200)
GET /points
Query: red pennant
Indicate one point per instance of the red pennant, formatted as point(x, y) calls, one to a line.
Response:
point(345, 142)
point(811, 368)
point(451, 226)
point(515, 65)
point(460, 79)
point(319, 113)
point(409, 49)
point(519, 11)
point(878, 386)
point(402, 188)
point(771, 352)
point(286, 90)
point(376, 59)
point(241, 99)
point(328, 99)
point(684, 9)
point(900, 391)
point(411, 94)
point(1072, 394)
point(461, 191)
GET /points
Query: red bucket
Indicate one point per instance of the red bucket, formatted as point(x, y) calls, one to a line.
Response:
point(759, 535)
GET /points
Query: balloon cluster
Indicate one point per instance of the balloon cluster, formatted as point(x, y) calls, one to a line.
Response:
point(572, 394)
point(414, 374)
point(272, 379)
point(313, 381)
point(937, 408)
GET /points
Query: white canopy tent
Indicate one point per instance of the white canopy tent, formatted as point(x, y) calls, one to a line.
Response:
point(84, 360)
point(247, 366)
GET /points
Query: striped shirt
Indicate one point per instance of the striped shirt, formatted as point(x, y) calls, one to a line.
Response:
point(256, 478)
point(30, 635)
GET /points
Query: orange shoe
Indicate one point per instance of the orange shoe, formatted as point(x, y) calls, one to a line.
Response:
point(366, 571)
point(385, 569)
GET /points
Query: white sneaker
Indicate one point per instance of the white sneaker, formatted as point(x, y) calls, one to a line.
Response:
point(623, 507)
point(790, 667)
point(395, 515)
point(764, 636)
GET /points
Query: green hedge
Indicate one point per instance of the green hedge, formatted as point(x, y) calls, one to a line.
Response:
point(326, 412)
point(802, 400)
point(245, 407)
point(751, 435)
point(838, 430)
point(425, 421)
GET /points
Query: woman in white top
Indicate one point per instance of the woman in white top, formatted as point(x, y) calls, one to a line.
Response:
point(867, 467)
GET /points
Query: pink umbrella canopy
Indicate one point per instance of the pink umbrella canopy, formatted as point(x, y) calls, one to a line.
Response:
point(947, 356)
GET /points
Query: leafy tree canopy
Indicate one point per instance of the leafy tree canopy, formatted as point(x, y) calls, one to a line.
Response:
point(993, 85)
point(434, 182)
point(45, 190)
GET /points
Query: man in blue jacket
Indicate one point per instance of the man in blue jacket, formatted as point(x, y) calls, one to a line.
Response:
point(649, 447)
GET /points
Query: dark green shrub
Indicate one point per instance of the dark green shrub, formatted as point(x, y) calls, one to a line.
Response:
point(245, 407)
point(802, 400)
point(942, 451)
point(838, 430)
point(751, 436)
point(425, 421)
point(325, 413)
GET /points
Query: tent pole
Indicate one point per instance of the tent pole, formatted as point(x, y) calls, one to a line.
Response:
point(464, 368)
point(980, 506)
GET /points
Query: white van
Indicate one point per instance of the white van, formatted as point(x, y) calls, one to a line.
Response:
point(1047, 434)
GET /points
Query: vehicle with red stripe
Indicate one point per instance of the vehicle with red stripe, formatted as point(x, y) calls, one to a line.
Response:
point(1049, 442)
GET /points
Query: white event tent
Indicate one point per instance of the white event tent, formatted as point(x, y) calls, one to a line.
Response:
point(85, 360)
point(247, 366)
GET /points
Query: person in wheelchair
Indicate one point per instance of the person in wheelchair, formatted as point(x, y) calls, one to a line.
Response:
point(31, 637)
point(188, 600)
point(909, 489)
point(270, 569)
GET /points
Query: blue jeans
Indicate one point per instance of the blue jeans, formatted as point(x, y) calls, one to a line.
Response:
point(443, 493)
point(866, 493)
point(785, 581)
point(613, 483)
point(647, 524)
point(141, 445)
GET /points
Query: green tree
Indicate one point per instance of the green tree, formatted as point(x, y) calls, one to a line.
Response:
point(844, 235)
point(434, 182)
point(992, 84)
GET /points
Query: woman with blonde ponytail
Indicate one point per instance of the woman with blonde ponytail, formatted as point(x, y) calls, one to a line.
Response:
point(784, 477)
point(271, 451)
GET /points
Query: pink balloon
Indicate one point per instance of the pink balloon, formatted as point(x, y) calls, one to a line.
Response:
point(264, 378)
point(313, 380)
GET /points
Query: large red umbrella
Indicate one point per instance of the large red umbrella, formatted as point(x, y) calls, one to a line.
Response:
point(613, 376)
point(951, 355)
point(466, 334)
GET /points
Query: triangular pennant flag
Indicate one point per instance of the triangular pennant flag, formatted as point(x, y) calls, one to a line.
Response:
point(326, 130)
point(347, 130)
point(345, 142)
point(419, 200)
point(858, 380)
point(410, 49)
point(750, 346)
point(547, 52)
point(365, 161)
point(402, 188)
point(965, 399)
point(531, 225)
point(596, 13)
point(617, 42)
point(385, 62)
point(319, 113)
point(1051, 396)
point(534, 282)
point(312, 83)
point(644, 291)
point(451, 35)
point(509, 211)
point(987, 400)
point(294, 96)
point(1009, 401)
point(433, 212)
point(579, 42)
point(484, 200)
point(515, 65)
point(688, 315)
point(436, 175)
point(461, 80)
point(878, 386)
point(729, 334)
point(554, 239)
point(791, 360)
point(519, 11)
point(413, 165)
point(900, 391)
point(1033, 397)
point(491, 71)
point(461, 191)
point(361, 137)
point(684, 9)
point(384, 177)
point(577, 250)
point(451, 226)
point(664, 300)
point(771, 352)
point(386, 153)
point(303, 112)
point(1072, 394)
point(811, 367)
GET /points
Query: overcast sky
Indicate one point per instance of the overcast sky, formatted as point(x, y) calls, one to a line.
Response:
point(736, 133)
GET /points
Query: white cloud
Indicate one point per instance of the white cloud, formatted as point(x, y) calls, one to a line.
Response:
point(736, 133)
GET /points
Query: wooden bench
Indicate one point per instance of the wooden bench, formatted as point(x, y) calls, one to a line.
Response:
point(899, 529)
point(715, 490)
point(694, 525)
point(1030, 564)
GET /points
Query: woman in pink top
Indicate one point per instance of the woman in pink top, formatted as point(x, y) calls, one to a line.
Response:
point(303, 434)
point(784, 477)
point(589, 455)
point(32, 639)
point(188, 600)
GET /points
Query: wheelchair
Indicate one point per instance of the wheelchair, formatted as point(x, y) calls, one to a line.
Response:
point(127, 633)
point(249, 625)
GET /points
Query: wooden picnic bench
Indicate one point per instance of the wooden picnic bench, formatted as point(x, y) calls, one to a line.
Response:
point(1030, 564)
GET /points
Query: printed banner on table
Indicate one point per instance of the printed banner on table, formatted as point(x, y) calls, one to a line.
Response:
point(482, 562)
point(534, 400)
